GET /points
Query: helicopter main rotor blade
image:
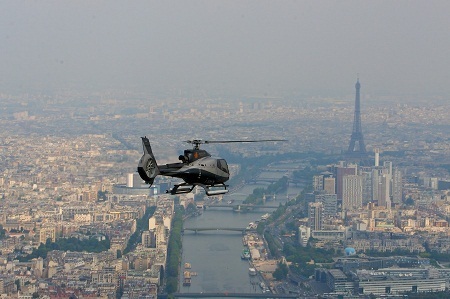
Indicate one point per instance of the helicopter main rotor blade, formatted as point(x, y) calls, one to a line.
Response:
point(199, 141)
point(236, 141)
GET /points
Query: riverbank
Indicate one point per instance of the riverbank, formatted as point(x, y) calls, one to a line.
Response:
point(174, 253)
point(259, 260)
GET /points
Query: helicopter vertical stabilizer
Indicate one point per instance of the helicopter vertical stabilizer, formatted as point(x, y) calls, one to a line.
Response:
point(147, 167)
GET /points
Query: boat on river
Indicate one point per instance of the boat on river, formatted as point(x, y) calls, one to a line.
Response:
point(265, 217)
point(252, 225)
point(252, 271)
point(245, 254)
point(187, 278)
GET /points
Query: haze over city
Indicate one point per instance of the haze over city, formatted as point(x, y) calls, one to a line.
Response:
point(187, 149)
point(226, 47)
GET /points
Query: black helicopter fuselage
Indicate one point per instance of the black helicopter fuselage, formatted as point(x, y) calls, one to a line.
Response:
point(198, 167)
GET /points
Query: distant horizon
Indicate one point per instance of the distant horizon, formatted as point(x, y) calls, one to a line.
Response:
point(229, 48)
point(349, 96)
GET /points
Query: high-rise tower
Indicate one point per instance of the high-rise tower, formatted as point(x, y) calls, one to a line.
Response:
point(315, 215)
point(357, 148)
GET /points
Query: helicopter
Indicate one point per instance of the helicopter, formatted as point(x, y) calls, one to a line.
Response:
point(196, 168)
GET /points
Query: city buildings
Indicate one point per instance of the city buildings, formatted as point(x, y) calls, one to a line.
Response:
point(68, 170)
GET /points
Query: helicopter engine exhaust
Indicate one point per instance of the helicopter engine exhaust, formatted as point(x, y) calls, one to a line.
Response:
point(147, 167)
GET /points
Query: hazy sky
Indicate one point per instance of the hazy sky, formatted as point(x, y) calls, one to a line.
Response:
point(244, 47)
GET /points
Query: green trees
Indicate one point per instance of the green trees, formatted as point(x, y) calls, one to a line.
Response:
point(174, 252)
point(302, 256)
point(281, 272)
point(255, 197)
point(191, 208)
point(2, 232)
point(258, 193)
point(70, 244)
point(273, 244)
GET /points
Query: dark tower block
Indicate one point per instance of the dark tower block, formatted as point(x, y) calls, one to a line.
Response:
point(357, 148)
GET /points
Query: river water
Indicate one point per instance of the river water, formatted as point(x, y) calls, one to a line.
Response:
point(215, 256)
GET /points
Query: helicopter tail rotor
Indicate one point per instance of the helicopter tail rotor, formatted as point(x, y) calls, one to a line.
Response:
point(147, 167)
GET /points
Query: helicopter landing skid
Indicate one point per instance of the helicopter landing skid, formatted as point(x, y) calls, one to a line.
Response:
point(180, 189)
point(215, 189)
point(209, 189)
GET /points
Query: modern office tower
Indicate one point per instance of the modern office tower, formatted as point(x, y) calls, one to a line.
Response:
point(329, 202)
point(315, 215)
point(318, 182)
point(341, 172)
point(397, 186)
point(377, 157)
point(366, 173)
point(384, 184)
point(130, 180)
point(324, 181)
point(352, 190)
point(133, 180)
point(329, 185)
point(376, 182)
point(357, 148)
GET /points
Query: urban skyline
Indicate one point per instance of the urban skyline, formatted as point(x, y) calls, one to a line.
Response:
point(70, 172)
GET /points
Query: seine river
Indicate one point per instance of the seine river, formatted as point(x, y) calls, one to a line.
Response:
point(215, 256)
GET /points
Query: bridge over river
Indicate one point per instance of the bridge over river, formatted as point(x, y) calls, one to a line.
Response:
point(232, 295)
point(232, 229)
point(239, 207)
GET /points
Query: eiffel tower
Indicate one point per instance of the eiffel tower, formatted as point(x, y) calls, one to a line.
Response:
point(357, 148)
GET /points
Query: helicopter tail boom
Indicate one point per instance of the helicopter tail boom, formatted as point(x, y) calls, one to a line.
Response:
point(147, 167)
